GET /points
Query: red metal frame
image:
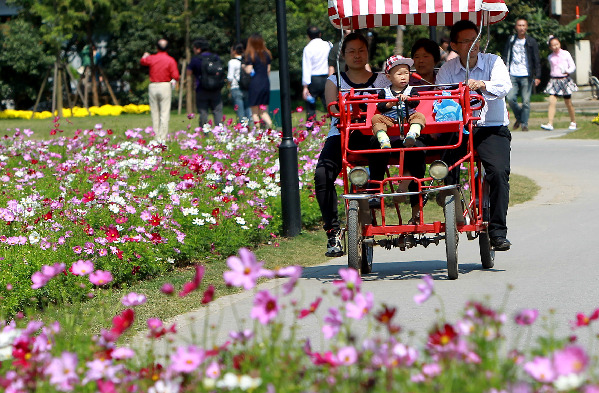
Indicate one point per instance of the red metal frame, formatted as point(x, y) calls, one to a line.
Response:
point(349, 109)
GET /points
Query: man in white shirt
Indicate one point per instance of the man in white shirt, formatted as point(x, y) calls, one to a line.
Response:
point(315, 70)
point(488, 75)
point(521, 55)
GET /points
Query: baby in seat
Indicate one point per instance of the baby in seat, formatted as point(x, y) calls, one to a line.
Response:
point(397, 69)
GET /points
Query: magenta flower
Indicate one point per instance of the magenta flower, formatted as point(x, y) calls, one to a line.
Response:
point(265, 307)
point(167, 288)
point(133, 299)
point(347, 356)
point(62, 371)
point(526, 316)
point(47, 272)
point(81, 267)
point(425, 288)
point(541, 369)
point(570, 360)
point(100, 277)
point(360, 306)
point(245, 270)
point(333, 322)
point(187, 359)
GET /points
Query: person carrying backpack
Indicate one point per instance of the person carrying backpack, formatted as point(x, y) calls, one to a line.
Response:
point(209, 72)
point(239, 83)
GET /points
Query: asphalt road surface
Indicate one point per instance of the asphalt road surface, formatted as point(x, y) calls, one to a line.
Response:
point(552, 264)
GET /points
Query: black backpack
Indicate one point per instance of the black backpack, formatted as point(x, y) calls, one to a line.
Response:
point(213, 72)
point(244, 78)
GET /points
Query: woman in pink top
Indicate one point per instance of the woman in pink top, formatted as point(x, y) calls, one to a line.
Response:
point(560, 84)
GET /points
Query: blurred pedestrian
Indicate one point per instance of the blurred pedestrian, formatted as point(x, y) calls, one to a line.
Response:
point(443, 50)
point(208, 70)
point(315, 70)
point(238, 95)
point(560, 84)
point(163, 70)
point(257, 64)
point(521, 56)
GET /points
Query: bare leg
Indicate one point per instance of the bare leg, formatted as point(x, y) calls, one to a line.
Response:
point(568, 102)
point(256, 115)
point(266, 118)
point(551, 111)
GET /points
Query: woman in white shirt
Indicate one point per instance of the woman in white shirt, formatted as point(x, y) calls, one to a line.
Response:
point(355, 52)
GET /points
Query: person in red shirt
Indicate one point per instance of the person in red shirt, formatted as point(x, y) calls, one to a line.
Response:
point(163, 70)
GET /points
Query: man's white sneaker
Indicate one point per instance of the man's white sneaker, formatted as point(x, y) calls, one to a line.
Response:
point(547, 127)
point(572, 126)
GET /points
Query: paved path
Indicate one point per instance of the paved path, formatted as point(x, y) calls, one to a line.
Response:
point(552, 264)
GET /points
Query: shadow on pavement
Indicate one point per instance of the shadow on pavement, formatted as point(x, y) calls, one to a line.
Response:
point(413, 270)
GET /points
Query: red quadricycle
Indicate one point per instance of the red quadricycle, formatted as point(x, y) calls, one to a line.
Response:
point(465, 204)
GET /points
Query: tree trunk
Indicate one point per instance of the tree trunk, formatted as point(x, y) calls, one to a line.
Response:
point(188, 79)
point(399, 41)
point(92, 64)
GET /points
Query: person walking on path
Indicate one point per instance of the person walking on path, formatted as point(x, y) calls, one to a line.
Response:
point(560, 84)
point(239, 96)
point(489, 75)
point(163, 69)
point(208, 92)
point(521, 55)
point(257, 64)
point(315, 70)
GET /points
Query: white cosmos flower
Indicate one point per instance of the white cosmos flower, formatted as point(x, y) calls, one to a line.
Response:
point(198, 221)
point(114, 208)
point(153, 194)
point(240, 220)
point(252, 185)
point(34, 237)
point(228, 190)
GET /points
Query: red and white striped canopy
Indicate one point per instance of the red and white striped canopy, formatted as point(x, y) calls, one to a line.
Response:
point(361, 14)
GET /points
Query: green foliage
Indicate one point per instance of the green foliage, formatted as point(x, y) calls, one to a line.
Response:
point(24, 59)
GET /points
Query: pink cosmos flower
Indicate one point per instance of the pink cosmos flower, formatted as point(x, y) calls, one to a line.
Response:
point(570, 360)
point(62, 371)
point(347, 356)
point(541, 369)
point(100, 277)
point(263, 107)
point(82, 267)
point(213, 370)
point(294, 273)
point(242, 336)
point(122, 353)
point(39, 280)
point(265, 307)
point(431, 369)
point(526, 316)
point(299, 109)
point(333, 322)
point(195, 282)
point(350, 282)
point(360, 306)
point(187, 359)
point(245, 270)
point(133, 299)
point(425, 288)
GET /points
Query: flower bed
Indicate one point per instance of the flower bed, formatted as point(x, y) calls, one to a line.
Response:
point(133, 208)
point(104, 110)
point(467, 355)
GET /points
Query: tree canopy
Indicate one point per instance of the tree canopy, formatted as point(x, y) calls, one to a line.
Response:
point(45, 29)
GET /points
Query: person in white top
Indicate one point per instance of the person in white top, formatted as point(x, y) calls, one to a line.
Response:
point(489, 76)
point(521, 56)
point(315, 70)
point(239, 96)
